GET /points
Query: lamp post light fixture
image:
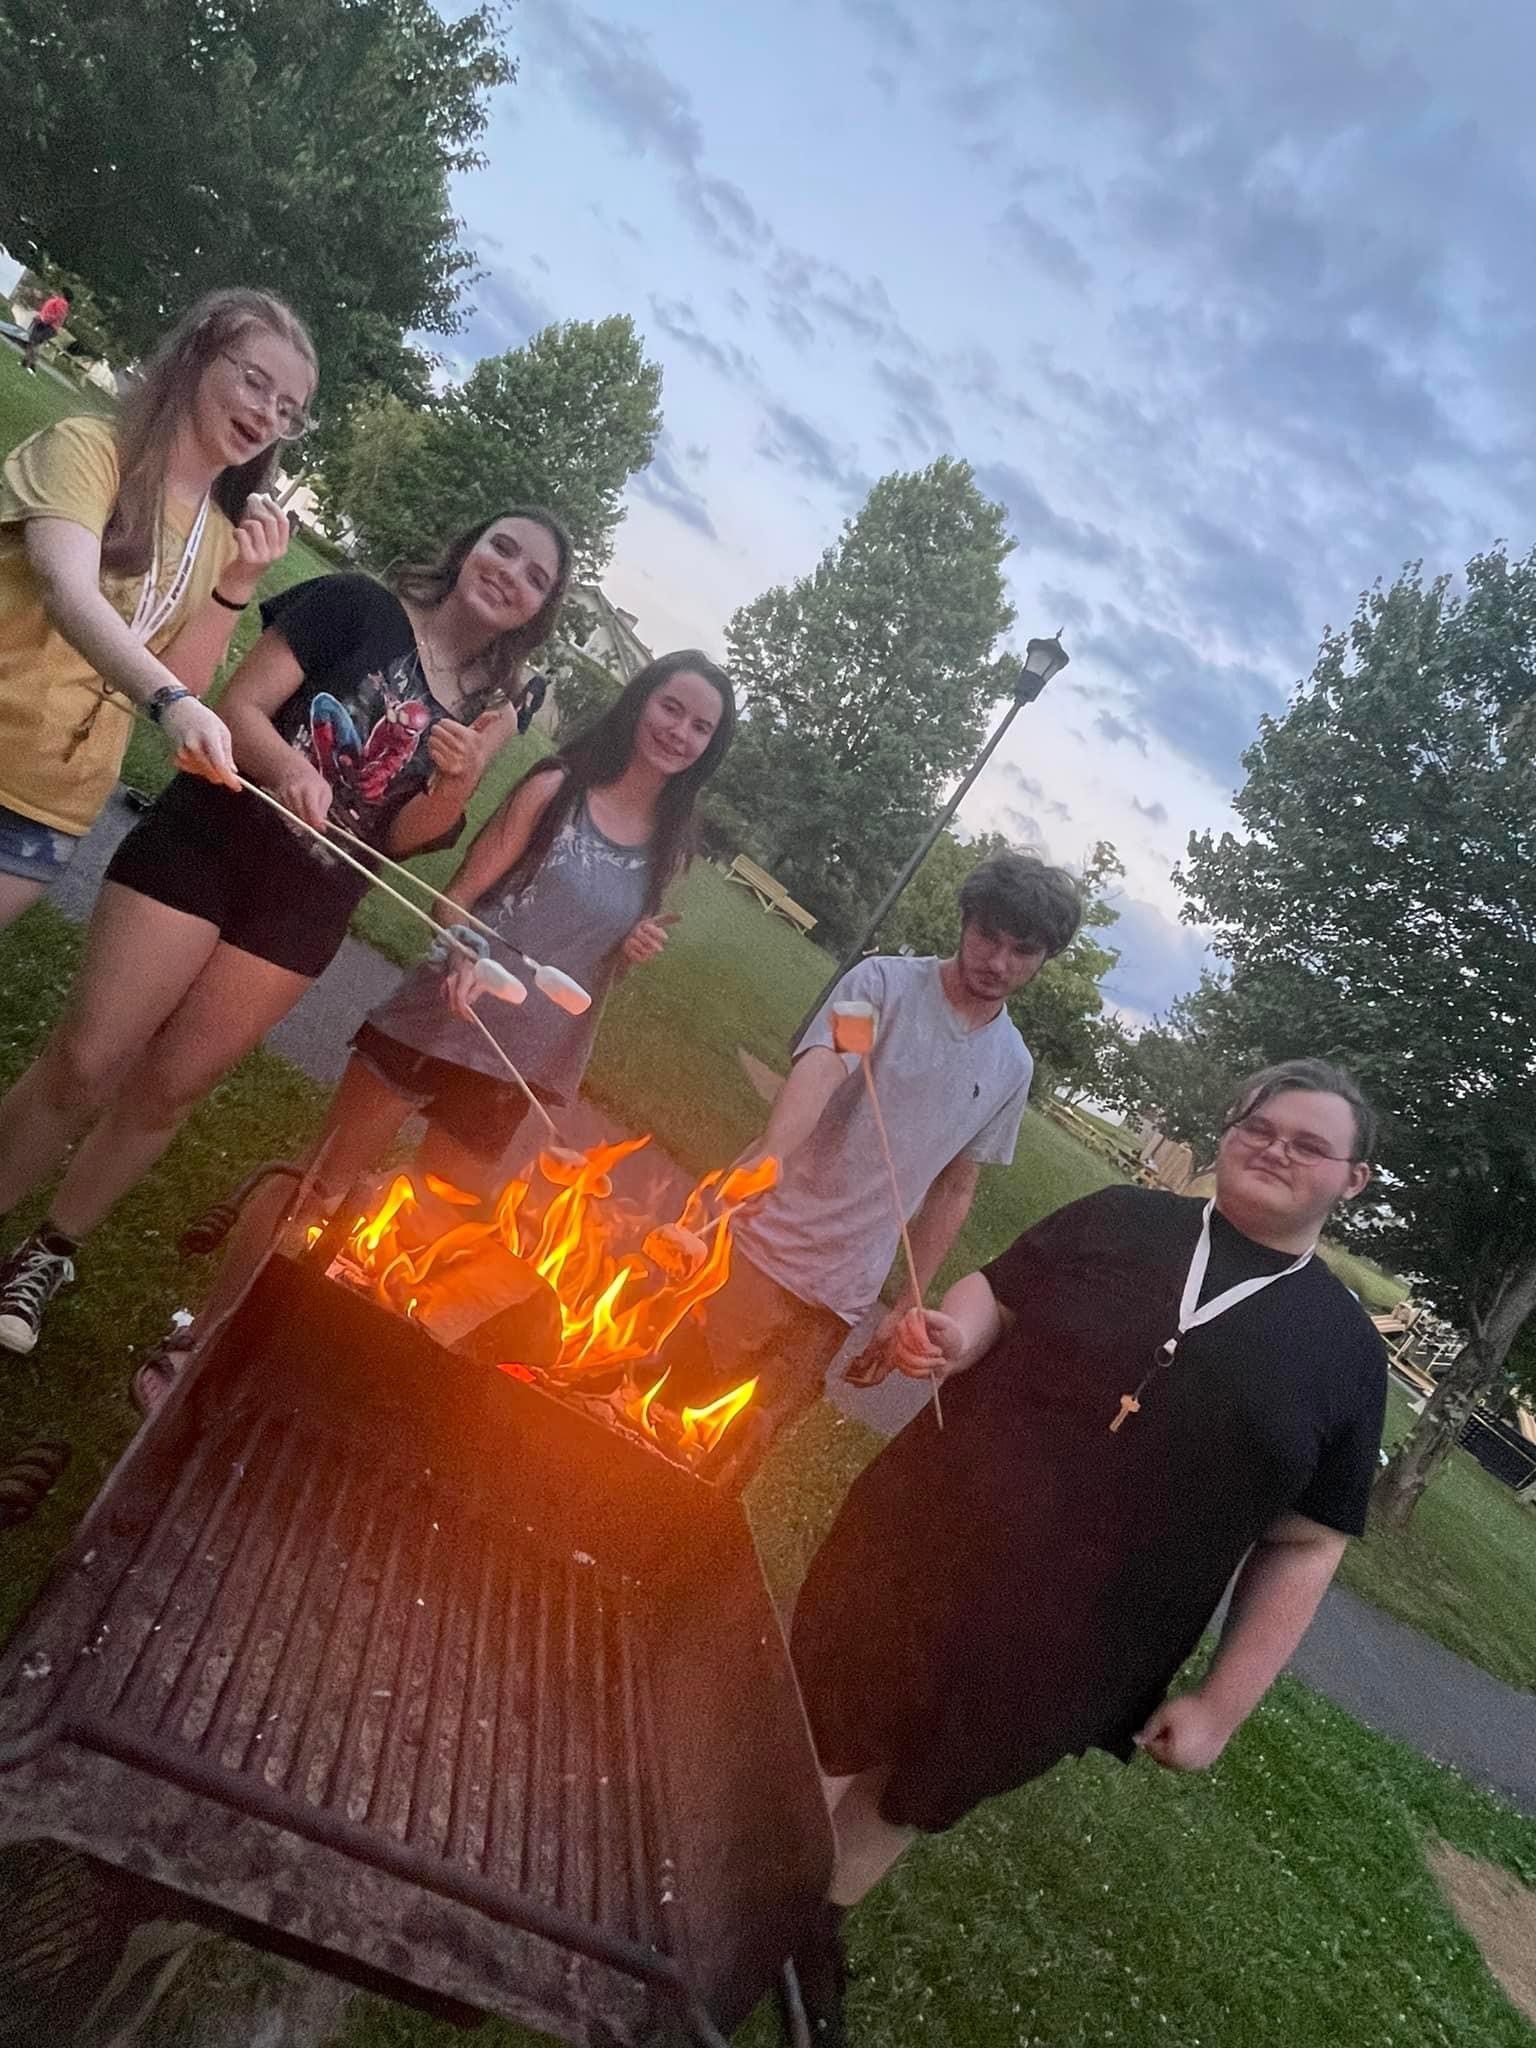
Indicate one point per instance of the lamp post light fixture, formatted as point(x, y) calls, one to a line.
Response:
point(1042, 660)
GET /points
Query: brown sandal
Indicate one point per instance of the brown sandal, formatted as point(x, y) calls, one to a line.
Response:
point(154, 1379)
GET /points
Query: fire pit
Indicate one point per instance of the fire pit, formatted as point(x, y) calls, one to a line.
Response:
point(570, 1289)
point(419, 1672)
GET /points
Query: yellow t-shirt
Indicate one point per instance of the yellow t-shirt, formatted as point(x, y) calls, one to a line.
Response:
point(48, 690)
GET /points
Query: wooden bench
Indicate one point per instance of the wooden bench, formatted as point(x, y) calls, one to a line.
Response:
point(772, 895)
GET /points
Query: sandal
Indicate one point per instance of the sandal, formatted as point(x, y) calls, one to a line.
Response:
point(154, 1379)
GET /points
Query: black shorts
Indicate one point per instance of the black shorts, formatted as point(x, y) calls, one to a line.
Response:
point(478, 1113)
point(39, 332)
point(215, 855)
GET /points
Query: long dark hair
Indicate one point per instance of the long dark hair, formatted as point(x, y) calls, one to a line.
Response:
point(428, 583)
point(152, 412)
point(600, 754)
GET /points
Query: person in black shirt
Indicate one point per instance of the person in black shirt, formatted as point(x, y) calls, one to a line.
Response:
point(1152, 1389)
point(373, 708)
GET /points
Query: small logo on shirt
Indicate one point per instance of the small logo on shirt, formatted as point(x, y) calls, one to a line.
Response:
point(975, 1090)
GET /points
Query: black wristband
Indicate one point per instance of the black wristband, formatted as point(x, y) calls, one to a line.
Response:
point(227, 602)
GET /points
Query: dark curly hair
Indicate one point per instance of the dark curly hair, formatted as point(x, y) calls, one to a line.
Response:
point(1018, 894)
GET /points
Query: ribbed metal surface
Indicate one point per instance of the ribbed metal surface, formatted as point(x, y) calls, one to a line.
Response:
point(406, 1664)
point(365, 1646)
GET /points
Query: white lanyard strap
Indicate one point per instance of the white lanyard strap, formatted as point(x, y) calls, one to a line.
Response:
point(1191, 1313)
point(151, 612)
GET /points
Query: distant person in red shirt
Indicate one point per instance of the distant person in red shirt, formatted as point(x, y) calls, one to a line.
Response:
point(50, 317)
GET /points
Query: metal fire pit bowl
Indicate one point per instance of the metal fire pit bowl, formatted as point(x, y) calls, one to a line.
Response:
point(417, 1672)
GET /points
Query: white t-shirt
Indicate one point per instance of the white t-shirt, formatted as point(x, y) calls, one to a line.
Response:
point(826, 1232)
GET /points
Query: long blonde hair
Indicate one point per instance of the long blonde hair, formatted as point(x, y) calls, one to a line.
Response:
point(155, 408)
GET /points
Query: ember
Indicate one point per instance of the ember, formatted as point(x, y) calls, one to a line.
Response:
point(547, 1287)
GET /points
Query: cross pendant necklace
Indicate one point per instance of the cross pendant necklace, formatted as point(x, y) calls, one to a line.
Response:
point(1192, 1313)
point(1130, 1404)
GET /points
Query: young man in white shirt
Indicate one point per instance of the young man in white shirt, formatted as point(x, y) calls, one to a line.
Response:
point(953, 1078)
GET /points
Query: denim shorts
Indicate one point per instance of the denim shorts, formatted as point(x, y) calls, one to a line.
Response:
point(32, 851)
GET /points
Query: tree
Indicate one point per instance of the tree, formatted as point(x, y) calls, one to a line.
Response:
point(303, 145)
point(1060, 1012)
point(868, 684)
point(583, 691)
point(1382, 909)
point(1185, 1067)
point(564, 422)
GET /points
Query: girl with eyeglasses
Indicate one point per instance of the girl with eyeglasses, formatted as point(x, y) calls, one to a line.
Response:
point(129, 547)
point(372, 708)
point(1143, 1396)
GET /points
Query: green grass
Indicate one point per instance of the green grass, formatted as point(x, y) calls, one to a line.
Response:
point(29, 403)
point(1464, 1570)
point(1379, 1290)
point(75, 1384)
point(1281, 1900)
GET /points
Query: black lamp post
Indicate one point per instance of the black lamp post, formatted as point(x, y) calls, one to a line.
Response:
point(1042, 660)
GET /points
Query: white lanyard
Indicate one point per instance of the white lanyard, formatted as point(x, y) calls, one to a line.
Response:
point(1192, 1314)
point(151, 613)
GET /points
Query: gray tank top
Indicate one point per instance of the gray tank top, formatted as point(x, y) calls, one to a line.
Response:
point(587, 896)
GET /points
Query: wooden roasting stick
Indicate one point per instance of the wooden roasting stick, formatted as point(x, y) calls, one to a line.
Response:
point(564, 992)
point(548, 980)
point(853, 1031)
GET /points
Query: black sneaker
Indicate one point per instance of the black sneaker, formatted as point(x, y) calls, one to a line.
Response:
point(29, 1279)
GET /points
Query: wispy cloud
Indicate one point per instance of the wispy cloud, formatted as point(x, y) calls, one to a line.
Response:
point(666, 485)
point(787, 437)
point(677, 319)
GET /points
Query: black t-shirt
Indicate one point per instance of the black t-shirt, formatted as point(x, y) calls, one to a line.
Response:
point(362, 715)
point(1025, 1583)
point(363, 711)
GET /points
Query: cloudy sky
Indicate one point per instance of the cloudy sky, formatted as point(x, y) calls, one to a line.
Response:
point(1231, 307)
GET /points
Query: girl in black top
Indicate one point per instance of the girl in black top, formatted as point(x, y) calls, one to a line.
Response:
point(1154, 1388)
point(378, 708)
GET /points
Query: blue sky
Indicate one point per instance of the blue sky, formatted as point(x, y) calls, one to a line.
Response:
point(1231, 308)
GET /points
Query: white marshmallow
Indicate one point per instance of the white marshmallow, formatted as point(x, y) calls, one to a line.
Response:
point(563, 992)
point(500, 982)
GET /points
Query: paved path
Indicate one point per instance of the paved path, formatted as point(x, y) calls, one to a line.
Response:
point(1385, 1674)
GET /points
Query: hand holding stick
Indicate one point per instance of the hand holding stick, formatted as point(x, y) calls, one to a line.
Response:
point(853, 1030)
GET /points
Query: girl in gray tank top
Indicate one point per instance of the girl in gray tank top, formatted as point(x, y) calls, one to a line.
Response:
point(575, 913)
point(570, 869)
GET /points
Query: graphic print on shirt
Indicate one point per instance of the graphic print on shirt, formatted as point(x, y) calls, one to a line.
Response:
point(391, 707)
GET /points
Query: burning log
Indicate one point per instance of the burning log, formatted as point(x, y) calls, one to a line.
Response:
point(554, 1294)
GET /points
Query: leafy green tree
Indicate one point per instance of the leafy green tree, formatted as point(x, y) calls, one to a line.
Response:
point(161, 149)
point(1382, 909)
point(868, 684)
point(1060, 1012)
point(583, 690)
point(1183, 1069)
point(564, 421)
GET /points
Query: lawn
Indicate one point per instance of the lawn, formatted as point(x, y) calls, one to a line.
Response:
point(1281, 1901)
point(1097, 1905)
point(1464, 1571)
point(75, 1384)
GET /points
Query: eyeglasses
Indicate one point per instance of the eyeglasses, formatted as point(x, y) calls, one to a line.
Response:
point(292, 420)
point(1257, 1134)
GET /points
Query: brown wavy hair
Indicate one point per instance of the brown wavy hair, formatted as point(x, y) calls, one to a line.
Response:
point(154, 409)
point(428, 583)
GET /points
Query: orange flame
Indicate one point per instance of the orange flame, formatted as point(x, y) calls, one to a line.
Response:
point(617, 1306)
point(704, 1427)
point(371, 1235)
